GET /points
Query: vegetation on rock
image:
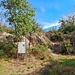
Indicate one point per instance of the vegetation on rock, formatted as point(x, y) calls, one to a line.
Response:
point(40, 45)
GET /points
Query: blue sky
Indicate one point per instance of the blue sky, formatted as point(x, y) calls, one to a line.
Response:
point(48, 12)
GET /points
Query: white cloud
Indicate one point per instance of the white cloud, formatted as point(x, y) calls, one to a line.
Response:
point(47, 24)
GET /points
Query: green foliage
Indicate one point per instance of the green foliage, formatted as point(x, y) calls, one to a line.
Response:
point(37, 29)
point(20, 15)
point(16, 39)
point(40, 47)
point(4, 28)
point(2, 54)
point(67, 62)
point(56, 36)
point(65, 67)
point(7, 49)
point(67, 25)
point(11, 31)
point(49, 45)
point(1, 29)
point(61, 67)
point(67, 47)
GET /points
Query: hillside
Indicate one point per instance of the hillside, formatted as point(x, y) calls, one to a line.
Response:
point(43, 55)
point(26, 48)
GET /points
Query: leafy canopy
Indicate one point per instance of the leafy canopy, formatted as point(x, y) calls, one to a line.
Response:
point(20, 15)
point(67, 24)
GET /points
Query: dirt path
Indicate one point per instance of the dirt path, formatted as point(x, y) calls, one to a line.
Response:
point(54, 55)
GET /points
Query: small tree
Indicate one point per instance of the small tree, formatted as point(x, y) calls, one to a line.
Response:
point(19, 14)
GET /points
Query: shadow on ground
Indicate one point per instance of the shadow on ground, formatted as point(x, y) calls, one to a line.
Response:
point(61, 67)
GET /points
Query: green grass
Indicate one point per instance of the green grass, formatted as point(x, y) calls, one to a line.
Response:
point(67, 62)
point(64, 67)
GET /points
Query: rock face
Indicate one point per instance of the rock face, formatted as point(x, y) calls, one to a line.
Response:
point(4, 35)
point(34, 39)
point(66, 36)
point(37, 39)
point(57, 48)
point(7, 36)
point(30, 39)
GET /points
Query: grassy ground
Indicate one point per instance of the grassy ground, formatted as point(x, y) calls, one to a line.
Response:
point(65, 67)
point(51, 64)
point(32, 63)
point(62, 65)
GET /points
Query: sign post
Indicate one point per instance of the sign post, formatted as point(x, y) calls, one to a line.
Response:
point(21, 50)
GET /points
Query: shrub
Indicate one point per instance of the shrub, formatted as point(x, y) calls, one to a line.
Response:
point(3, 54)
point(7, 48)
point(56, 36)
point(67, 47)
point(40, 47)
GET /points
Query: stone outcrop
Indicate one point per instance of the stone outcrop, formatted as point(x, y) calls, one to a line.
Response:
point(56, 47)
point(30, 39)
point(37, 39)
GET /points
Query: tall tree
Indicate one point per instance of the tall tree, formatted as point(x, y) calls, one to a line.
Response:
point(20, 15)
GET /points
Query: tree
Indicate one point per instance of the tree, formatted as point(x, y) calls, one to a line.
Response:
point(20, 15)
point(68, 24)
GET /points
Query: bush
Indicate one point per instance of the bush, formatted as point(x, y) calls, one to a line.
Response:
point(67, 47)
point(7, 49)
point(3, 54)
point(56, 36)
point(39, 47)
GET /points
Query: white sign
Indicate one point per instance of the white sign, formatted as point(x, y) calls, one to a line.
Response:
point(21, 47)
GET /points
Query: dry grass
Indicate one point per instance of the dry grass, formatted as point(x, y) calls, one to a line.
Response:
point(30, 64)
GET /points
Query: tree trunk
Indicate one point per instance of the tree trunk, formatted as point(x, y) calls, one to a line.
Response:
point(30, 40)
